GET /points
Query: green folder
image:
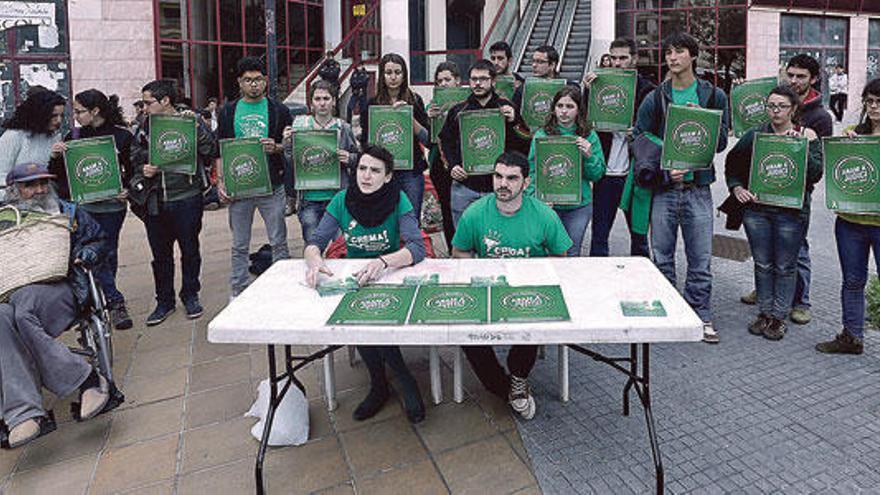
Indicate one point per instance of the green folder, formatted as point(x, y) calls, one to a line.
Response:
point(558, 170)
point(92, 169)
point(852, 174)
point(173, 143)
point(747, 102)
point(691, 138)
point(642, 308)
point(392, 128)
point(612, 99)
point(315, 160)
point(449, 304)
point(505, 86)
point(374, 305)
point(538, 94)
point(778, 175)
point(483, 133)
point(245, 168)
point(530, 303)
point(446, 98)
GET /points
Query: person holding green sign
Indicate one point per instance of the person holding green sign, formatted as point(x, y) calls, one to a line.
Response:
point(856, 236)
point(446, 75)
point(568, 118)
point(375, 217)
point(775, 234)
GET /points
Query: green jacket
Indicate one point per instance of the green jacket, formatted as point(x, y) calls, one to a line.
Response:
point(637, 199)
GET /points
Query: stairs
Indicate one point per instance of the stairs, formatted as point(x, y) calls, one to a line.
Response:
point(540, 33)
point(577, 46)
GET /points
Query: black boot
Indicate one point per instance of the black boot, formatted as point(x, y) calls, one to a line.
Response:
point(378, 395)
point(409, 388)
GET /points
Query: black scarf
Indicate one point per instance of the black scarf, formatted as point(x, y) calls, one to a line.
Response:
point(370, 210)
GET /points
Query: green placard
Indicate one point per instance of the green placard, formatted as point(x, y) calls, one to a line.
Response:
point(747, 102)
point(530, 303)
point(445, 304)
point(245, 168)
point(537, 99)
point(173, 143)
point(778, 174)
point(691, 138)
point(852, 174)
point(642, 308)
point(558, 170)
point(446, 98)
point(392, 128)
point(92, 169)
point(374, 305)
point(483, 133)
point(505, 86)
point(612, 99)
point(315, 160)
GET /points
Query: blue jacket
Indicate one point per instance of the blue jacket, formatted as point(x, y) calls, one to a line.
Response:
point(87, 243)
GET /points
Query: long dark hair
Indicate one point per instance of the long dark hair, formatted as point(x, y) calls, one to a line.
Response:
point(582, 127)
point(786, 91)
point(34, 113)
point(108, 107)
point(382, 95)
point(865, 125)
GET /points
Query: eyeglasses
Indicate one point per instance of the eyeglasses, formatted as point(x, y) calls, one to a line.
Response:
point(80, 111)
point(256, 81)
point(480, 79)
point(537, 61)
point(871, 102)
point(773, 107)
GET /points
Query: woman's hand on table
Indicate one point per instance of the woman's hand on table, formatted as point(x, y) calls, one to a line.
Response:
point(371, 271)
point(313, 272)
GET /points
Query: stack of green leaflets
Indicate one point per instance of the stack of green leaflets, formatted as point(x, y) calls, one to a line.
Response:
point(538, 95)
point(392, 128)
point(747, 102)
point(642, 308)
point(374, 305)
point(505, 86)
point(315, 160)
point(245, 168)
point(483, 133)
point(424, 279)
point(446, 98)
point(488, 281)
point(779, 170)
point(173, 143)
point(852, 174)
point(691, 138)
point(534, 303)
point(612, 99)
point(337, 286)
point(558, 170)
point(92, 169)
point(444, 304)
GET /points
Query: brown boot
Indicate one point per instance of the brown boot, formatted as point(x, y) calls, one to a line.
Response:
point(843, 343)
point(757, 327)
point(774, 330)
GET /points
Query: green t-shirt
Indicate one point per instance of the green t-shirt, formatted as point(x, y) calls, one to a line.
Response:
point(683, 97)
point(368, 242)
point(534, 231)
point(252, 119)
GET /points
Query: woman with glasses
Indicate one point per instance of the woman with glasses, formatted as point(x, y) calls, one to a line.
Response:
point(775, 233)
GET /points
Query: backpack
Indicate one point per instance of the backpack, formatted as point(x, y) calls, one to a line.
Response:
point(329, 71)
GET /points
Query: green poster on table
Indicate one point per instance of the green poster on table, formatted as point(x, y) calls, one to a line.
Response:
point(778, 174)
point(446, 98)
point(642, 308)
point(445, 304)
point(558, 170)
point(537, 99)
point(612, 99)
point(92, 169)
point(505, 85)
point(374, 305)
point(852, 174)
point(315, 162)
point(173, 143)
point(245, 168)
point(691, 138)
point(392, 128)
point(483, 133)
point(747, 102)
point(528, 303)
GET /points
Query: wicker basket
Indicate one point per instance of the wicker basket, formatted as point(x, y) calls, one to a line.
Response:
point(37, 250)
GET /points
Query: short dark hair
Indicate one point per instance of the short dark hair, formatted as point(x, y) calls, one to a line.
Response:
point(483, 64)
point(552, 54)
point(514, 159)
point(161, 88)
point(804, 61)
point(380, 153)
point(501, 46)
point(681, 39)
point(250, 64)
point(625, 43)
point(788, 92)
point(447, 65)
point(212, 99)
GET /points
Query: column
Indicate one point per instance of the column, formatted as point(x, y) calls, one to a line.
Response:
point(762, 44)
point(395, 27)
point(332, 24)
point(601, 29)
point(435, 29)
point(858, 61)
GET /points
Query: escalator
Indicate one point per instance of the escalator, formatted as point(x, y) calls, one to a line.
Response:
point(541, 33)
point(577, 43)
point(564, 24)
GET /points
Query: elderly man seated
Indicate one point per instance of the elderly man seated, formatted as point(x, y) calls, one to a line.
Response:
point(36, 314)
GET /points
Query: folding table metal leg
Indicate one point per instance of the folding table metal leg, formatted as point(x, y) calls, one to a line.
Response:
point(267, 425)
point(330, 382)
point(457, 387)
point(562, 351)
point(352, 356)
point(436, 381)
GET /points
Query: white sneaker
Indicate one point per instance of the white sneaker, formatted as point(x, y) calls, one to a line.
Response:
point(520, 397)
point(710, 336)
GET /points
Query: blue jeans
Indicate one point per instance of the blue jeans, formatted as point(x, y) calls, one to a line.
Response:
point(854, 243)
point(310, 214)
point(178, 221)
point(575, 221)
point(775, 237)
point(606, 200)
point(241, 220)
point(690, 209)
point(111, 224)
point(461, 196)
point(802, 285)
point(413, 185)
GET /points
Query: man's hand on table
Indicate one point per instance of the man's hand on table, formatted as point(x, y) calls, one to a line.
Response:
point(371, 271)
point(313, 272)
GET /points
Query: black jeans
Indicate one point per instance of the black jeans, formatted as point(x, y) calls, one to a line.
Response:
point(520, 361)
point(442, 181)
point(179, 221)
point(838, 105)
point(606, 199)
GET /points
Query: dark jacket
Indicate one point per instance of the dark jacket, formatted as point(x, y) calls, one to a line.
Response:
point(421, 117)
point(651, 117)
point(87, 243)
point(644, 86)
point(814, 115)
point(279, 118)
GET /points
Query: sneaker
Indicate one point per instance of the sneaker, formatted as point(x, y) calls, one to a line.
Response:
point(24, 432)
point(520, 397)
point(120, 317)
point(290, 207)
point(774, 330)
point(710, 336)
point(800, 315)
point(212, 206)
point(843, 343)
point(757, 327)
point(160, 314)
point(193, 308)
point(751, 298)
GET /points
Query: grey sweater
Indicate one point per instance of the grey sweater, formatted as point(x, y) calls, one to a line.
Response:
point(18, 146)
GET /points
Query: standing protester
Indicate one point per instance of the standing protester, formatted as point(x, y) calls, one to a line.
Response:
point(32, 133)
point(608, 191)
point(605, 62)
point(856, 236)
point(838, 86)
point(172, 208)
point(211, 108)
point(467, 188)
point(682, 200)
point(254, 114)
point(545, 60)
point(359, 82)
point(775, 234)
point(445, 75)
point(509, 224)
point(501, 56)
point(394, 90)
point(139, 117)
point(569, 118)
point(99, 115)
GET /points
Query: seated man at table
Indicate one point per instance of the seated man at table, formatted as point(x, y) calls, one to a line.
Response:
point(507, 224)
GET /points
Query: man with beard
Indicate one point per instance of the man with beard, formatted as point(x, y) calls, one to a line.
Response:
point(509, 225)
point(35, 314)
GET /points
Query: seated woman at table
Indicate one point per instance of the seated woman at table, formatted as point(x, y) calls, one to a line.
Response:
point(375, 216)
